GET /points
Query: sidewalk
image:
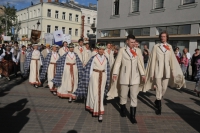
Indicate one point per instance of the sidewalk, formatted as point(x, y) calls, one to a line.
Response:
point(26, 109)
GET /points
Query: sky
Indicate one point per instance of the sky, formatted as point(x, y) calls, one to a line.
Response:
point(20, 4)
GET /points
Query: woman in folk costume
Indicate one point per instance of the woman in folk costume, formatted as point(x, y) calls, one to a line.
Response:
point(68, 72)
point(109, 54)
point(7, 59)
point(163, 69)
point(64, 49)
point(33, 62)
point(95, 82)
point(49, 67)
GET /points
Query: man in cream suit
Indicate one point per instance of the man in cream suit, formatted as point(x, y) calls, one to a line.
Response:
point(109, 54)
point(46, 51)
point(161, 67)
point(81, 52)
point(132, 69)
point(22, 57)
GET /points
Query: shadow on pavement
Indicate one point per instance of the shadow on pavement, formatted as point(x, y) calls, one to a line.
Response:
point(196, 101)
point(72, 131)
point(144, 97)
point(185, 90)
point(192, 117)
point(13, 117)
point(8, 85)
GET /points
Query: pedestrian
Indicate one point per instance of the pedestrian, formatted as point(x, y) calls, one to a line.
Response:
point(146, 48)
point(2, 50)
point(64, 49)
point(146, 57)
point(88, 52)
point(22, 58)
point(68, 72)
point(185, 51)
point(46, 51)
point(163, 67)
point(33, 62)
point(15, 51)
point(194, 59)
point(130, 65)
point(7, 60)
point(116, 52)
point(178, 54)
point(184, 63)
point(49, 68)
point(80, 50)
point(109, 53)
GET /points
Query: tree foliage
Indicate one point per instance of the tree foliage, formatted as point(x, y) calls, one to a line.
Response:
point(9, 16)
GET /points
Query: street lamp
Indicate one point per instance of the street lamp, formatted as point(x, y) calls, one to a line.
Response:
point(38, 24)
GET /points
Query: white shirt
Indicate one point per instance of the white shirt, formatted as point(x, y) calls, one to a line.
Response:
point(2, 56)
point(47, 50)
point(101, 59)
point(188, 55)
point(3, 50)
point(163, 48)
point(71, 54)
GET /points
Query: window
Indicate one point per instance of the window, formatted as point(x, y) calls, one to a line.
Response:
point(24, 16)
point(88, 20)
point(63, 29)
point(135, 5)
point(34, 13)
point(70, 31)
point(63, 15)
point(48, 28)
point(94, 20)
point(30, 14)
point(159, 4)
point(88, 32)
point(139, 31)
point(70, 17)
point(198, 44)
point(76, 32)
point(76, 19)
point(38, 12)
point(49, 13)
point(175, 30)
point(56, 28)
point(188, 2)
point(56, 14)
point(180, 44)
point(110, 33)
point(116, 7)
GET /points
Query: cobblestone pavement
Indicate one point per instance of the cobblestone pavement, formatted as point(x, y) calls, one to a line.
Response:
point(26, 109)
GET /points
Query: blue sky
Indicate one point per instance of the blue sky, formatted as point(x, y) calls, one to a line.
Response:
point(20, 4)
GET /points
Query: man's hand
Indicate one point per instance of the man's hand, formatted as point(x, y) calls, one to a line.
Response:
point(143, 78)
point(114, 77)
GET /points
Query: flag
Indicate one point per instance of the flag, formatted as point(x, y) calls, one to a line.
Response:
point(58, 35)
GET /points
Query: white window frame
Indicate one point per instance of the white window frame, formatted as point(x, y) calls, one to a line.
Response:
point(56, 28)
point(63, 29)
point(48, 13)
point(70, 16)
point(94, 20)
point(38, 12)
point(56, 14)
point(131, 10)
point(49, 28)
point(76, 17)
point(70, 31)
point(88, 31)
point(76, 32)
point(63, 15)
point(88, 20)
point(154, 4)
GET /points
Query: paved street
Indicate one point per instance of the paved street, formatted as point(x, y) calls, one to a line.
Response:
point(28, 110)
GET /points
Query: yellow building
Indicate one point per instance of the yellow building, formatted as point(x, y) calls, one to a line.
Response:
point(52, 16)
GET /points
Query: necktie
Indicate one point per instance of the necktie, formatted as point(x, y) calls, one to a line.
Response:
point(81, 50)
point(166, 47)
point(133, 52)
point(22, 52)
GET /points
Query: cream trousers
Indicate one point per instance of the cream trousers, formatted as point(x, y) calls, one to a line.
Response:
point(161, 87)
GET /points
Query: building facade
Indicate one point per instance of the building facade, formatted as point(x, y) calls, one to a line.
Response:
point(89, 18)
point(52, 16)
point(147, 18)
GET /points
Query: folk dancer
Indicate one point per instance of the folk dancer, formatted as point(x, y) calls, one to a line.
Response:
point(46, 51)
point(130, 64)
point(15, 51)
point(88, 53)
point(109, 54)
point(49, 67)
point(64, 49)
point(94, 51)
point(1, 52)
point(7, 59)
point(163, 68)
point(95, 83)
point(33, 62)
point(68, 72)
point(81, 51)
point(22, 57)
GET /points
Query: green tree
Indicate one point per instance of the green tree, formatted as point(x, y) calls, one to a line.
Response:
point(9, 16)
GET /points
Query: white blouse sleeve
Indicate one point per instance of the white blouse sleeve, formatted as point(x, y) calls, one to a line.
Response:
point(91, 68)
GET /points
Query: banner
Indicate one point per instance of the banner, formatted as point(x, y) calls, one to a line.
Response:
point(49, 38)
point(7, 38)
point(67, 38)
point(58, 35)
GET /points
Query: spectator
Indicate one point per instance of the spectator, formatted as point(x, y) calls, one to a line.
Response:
point(146, 57)
point(177, 57)
point(195, 57)
point(184, 63)
point(177, 52)
point(185, 51)
point(146, 48)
